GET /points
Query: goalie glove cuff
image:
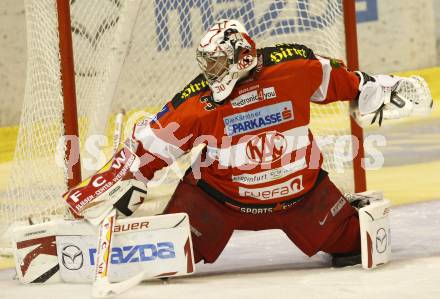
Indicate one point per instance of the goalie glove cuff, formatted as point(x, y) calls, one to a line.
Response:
point(375, 91)
point(364, 78)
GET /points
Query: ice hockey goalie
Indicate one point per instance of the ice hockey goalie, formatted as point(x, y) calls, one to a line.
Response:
point(260, 167)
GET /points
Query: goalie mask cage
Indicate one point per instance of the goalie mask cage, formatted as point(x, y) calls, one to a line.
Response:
point(136, 55)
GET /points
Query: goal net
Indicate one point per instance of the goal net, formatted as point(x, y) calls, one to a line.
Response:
point(136, 55)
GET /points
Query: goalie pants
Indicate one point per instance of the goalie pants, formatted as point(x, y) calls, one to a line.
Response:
point(323, 220)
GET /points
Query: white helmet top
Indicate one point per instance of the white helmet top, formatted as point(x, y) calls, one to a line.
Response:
point(226, 53)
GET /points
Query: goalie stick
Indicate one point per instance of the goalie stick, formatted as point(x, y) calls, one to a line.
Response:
point(102, 287)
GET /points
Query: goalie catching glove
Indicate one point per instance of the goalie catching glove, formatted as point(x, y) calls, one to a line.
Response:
point(113, 186)
point(391, 97)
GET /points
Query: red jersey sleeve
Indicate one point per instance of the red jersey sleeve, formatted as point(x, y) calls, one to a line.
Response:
point(164, 138)
point(337, 83)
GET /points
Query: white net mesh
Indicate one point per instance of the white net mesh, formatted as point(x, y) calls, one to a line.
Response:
point(136, 55)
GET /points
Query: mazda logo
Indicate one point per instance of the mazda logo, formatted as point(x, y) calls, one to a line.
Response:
point(381, 240)
point(72, 257)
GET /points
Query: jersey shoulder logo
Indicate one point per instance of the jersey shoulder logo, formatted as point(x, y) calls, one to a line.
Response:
point(209, 103)
point(285, 52)
point(196, 86)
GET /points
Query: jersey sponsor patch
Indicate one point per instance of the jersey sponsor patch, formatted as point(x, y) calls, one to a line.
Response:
point(245, 99)
point(259, 118)
point(270, 175)
point(284, 52)
point(269, 93)
point(338, 206)
point(248, 88)
point(288, 188)
point(196, 86)
point(265, 210)
point(253, 97)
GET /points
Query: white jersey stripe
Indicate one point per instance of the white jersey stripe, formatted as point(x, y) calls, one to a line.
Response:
point(321, 93)
point(156, 145)
point(236, 155)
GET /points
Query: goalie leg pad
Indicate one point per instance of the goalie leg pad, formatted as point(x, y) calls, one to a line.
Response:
point(375, 233)
point(159, 246)
point(35, 253)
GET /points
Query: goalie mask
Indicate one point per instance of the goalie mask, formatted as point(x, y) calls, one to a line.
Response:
point(226, 54)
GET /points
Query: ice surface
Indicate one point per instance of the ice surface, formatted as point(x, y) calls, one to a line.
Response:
point(266, 265)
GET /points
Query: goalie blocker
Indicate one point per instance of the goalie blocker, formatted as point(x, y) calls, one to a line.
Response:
point(159, 246)
point(113, 186)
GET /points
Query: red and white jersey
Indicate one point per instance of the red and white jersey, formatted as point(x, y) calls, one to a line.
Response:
point(258, 142)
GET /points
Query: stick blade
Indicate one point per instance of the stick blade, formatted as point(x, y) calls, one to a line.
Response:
point(104, 289)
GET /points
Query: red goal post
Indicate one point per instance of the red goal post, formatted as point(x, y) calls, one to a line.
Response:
point(351, 45)
point(67, 68)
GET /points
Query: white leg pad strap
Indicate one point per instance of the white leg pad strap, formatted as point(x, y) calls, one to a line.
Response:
point(375, 233)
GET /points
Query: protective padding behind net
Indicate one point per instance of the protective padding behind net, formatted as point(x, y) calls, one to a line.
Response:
point(136, 55)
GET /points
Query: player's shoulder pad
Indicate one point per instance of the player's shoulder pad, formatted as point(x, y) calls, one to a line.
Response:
point(196, 86)
point(285, 52)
